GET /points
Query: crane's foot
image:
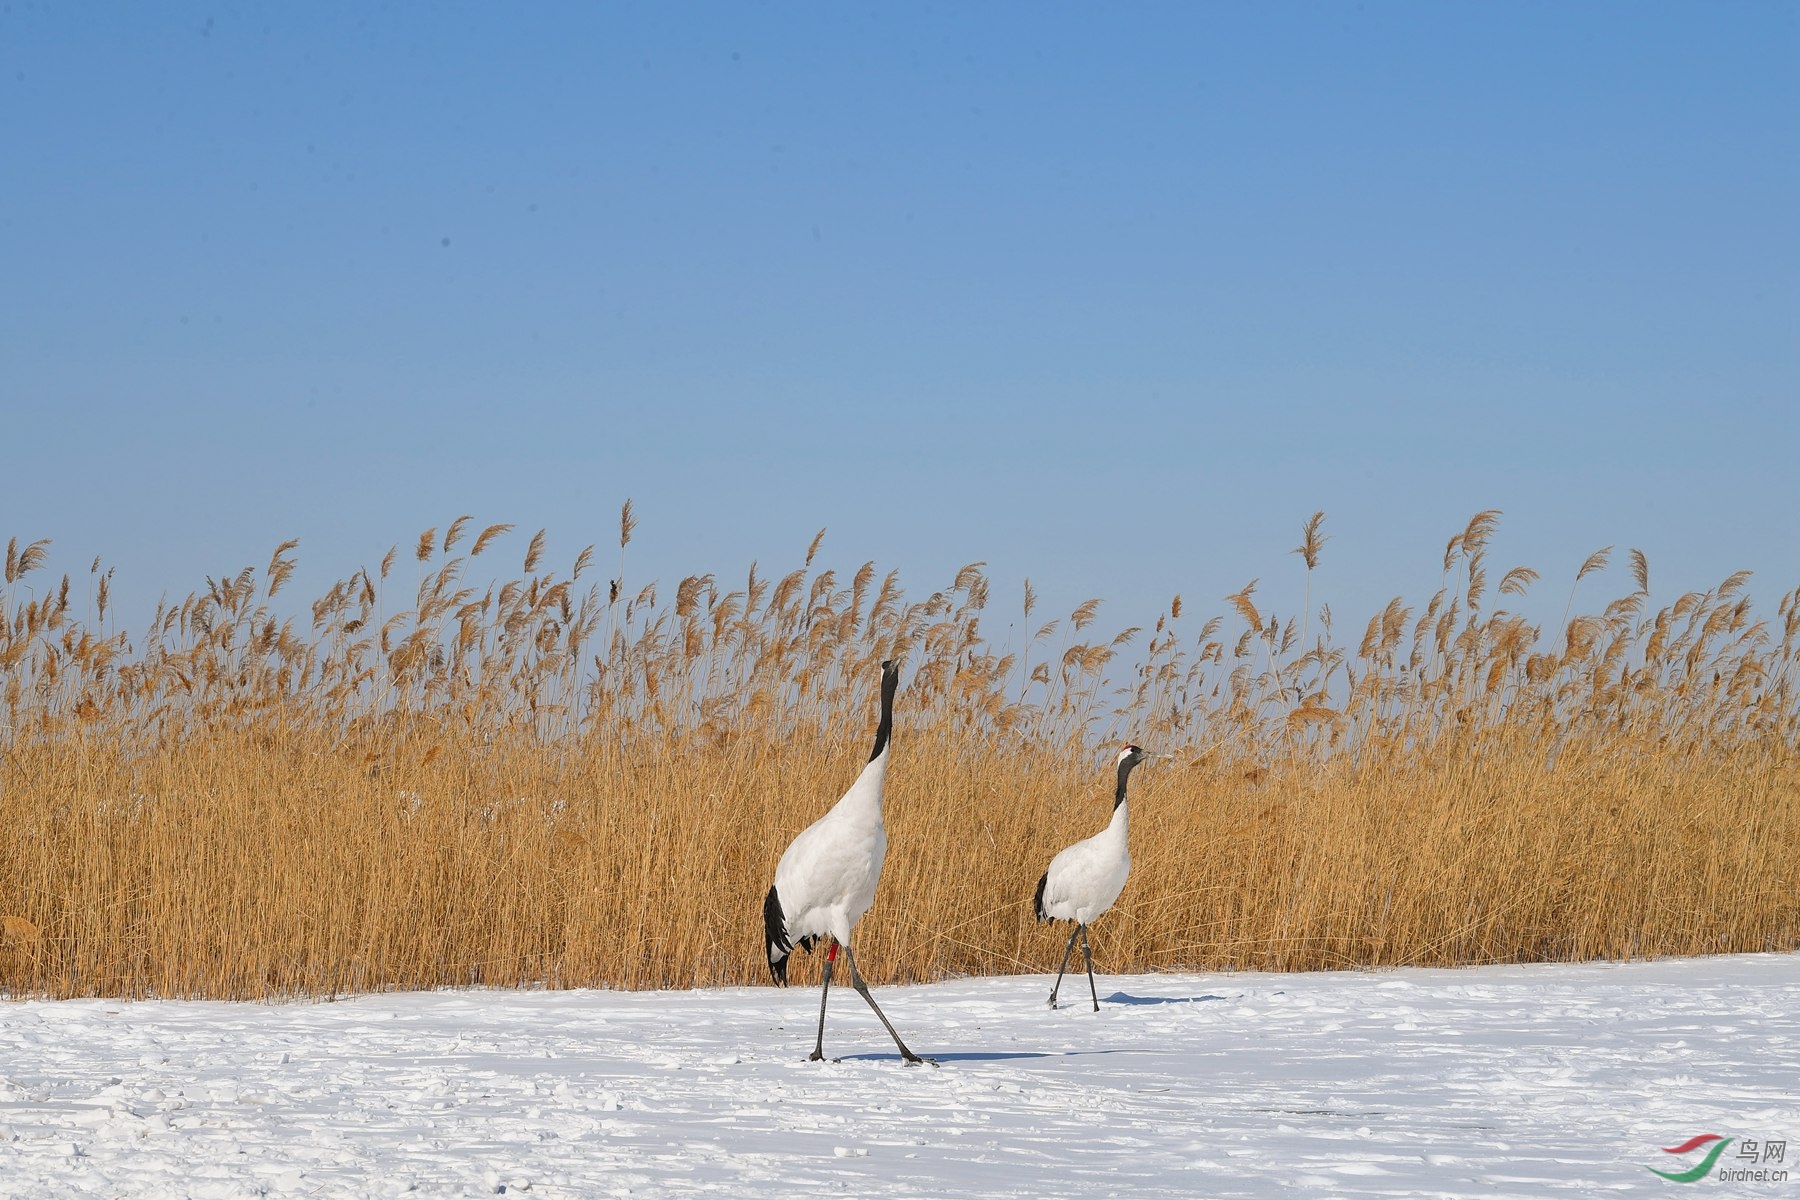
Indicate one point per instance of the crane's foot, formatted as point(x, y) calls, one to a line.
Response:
point(816, 1056)
point(919, 1060)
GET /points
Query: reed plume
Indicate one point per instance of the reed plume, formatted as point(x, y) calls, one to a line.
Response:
point(554, 779)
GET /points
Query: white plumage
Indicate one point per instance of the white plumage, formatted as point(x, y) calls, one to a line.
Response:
point(1085, 880)
point(827, 876)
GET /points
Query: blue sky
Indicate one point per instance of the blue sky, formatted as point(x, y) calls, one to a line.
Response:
point(1113, 297)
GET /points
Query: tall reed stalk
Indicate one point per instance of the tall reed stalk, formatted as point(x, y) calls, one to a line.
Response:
point(554, 778)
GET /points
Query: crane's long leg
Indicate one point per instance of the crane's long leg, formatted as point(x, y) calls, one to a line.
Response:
point(1089, 956)
point(856, 981)
point(1067, 950)
point(825, 991)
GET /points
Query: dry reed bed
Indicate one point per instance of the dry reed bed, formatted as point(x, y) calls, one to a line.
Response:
point(551, 779)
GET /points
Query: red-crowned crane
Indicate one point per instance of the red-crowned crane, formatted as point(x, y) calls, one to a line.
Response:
point(826, 878)
point(1084, 880)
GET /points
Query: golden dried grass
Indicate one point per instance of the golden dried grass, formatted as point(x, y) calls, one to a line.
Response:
point(541, 780)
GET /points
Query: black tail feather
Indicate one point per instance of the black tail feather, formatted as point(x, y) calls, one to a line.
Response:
point(1037, 901)
point(775, 938)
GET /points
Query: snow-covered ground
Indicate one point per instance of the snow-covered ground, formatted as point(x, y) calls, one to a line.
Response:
point(1498, 1081)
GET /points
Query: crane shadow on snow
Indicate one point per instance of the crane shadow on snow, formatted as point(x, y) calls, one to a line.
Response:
point(1127, 998)
point(956, 1056)
point(983, 1055)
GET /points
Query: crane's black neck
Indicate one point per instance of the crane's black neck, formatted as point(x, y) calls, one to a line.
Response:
point(890, 683)
point(1125, 766)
